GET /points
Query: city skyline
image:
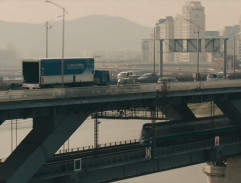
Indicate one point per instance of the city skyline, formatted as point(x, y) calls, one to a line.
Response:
point(144, 12)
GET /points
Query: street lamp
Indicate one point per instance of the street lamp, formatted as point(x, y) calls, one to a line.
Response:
point(198, 31)
point(154, 50)
point(62, 62)
point(234, 46)
point(47, 30)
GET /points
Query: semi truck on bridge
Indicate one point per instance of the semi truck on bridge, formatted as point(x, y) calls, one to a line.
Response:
point(49, 72)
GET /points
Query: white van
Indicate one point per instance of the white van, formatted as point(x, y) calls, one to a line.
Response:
point(126, 74)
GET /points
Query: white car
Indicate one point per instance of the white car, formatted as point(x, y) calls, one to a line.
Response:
point(125, 74)
point(125, 81)
point(215, 77)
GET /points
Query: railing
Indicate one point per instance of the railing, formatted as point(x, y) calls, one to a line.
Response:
point(52, 93)
point(76, 149)
point(138, 155)
point(133, 113)
point(109, 144)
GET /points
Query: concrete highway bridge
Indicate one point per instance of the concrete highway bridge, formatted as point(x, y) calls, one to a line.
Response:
point(58, 112)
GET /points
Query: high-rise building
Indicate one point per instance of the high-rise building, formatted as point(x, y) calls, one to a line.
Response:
point(189, 25)
point(193, 26)
point(210, 57)
point(229, 32)
point(165, 32)
point(146, 50)
point(178, 35)
point(232, 33)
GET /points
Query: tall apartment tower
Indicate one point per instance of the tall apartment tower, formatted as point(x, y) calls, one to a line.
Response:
point(232, 32)
point(178, 27)
point(165, 31)
point(189, 25)
point(193, 23)
point(229, 32)
point(148, 49)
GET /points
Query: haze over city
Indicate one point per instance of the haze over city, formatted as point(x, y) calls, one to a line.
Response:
point(94, 27)
point(219, 13)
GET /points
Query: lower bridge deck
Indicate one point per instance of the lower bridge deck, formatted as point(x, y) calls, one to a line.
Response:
point(133, 159)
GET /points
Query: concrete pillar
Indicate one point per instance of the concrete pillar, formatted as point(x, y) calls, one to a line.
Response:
point(234, 169)
point(229, 172)
point(216, 173)
point(178, 112)
point(46, 137)
point(232, 109)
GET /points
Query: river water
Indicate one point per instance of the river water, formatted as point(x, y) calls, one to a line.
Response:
point(109, 131)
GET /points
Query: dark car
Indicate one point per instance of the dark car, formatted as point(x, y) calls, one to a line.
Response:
point(167, 79)
point(148, 78)
point(15, 85)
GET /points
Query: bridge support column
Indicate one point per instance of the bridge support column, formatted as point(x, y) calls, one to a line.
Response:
point(1, 121)
point(178, 112)
point(48, 134)
point(228, 173)
point(232, 109)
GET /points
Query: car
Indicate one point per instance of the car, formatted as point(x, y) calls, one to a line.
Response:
point(127, 74)
point(125, 81)
point(215, 77)
point(166, 79)
point(101, 77)
point(15, 85)
point(220, 75)
point(148, 78)
point(212, 77)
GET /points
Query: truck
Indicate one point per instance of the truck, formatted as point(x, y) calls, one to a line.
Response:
point(101, 77)
point(47, 72)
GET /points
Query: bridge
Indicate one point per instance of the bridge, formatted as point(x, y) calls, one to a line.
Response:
point(58, 112)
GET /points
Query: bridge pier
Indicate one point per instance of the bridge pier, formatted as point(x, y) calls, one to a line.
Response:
point(49, 132)
point(232, 109)
point(178, 112)
point(226, 173)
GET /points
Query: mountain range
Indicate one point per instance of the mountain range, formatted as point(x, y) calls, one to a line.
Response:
point(86, 34)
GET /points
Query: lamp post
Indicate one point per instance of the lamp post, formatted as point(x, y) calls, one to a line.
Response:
point(62, 62)
point(234, 46)
point(198, 31)
point(47, 32)
point(154, 50)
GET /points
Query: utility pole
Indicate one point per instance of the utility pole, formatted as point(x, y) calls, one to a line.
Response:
point(225, 58)
point(197, 77)
point(154, 42)
point(198, 74)
point(63, 31)
point(96, 131)
point(161, 58)
point(47, 33)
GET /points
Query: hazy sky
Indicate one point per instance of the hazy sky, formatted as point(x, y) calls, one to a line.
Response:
point(219, 13)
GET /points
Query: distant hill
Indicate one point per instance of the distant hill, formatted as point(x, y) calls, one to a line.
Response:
point(84, 34)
